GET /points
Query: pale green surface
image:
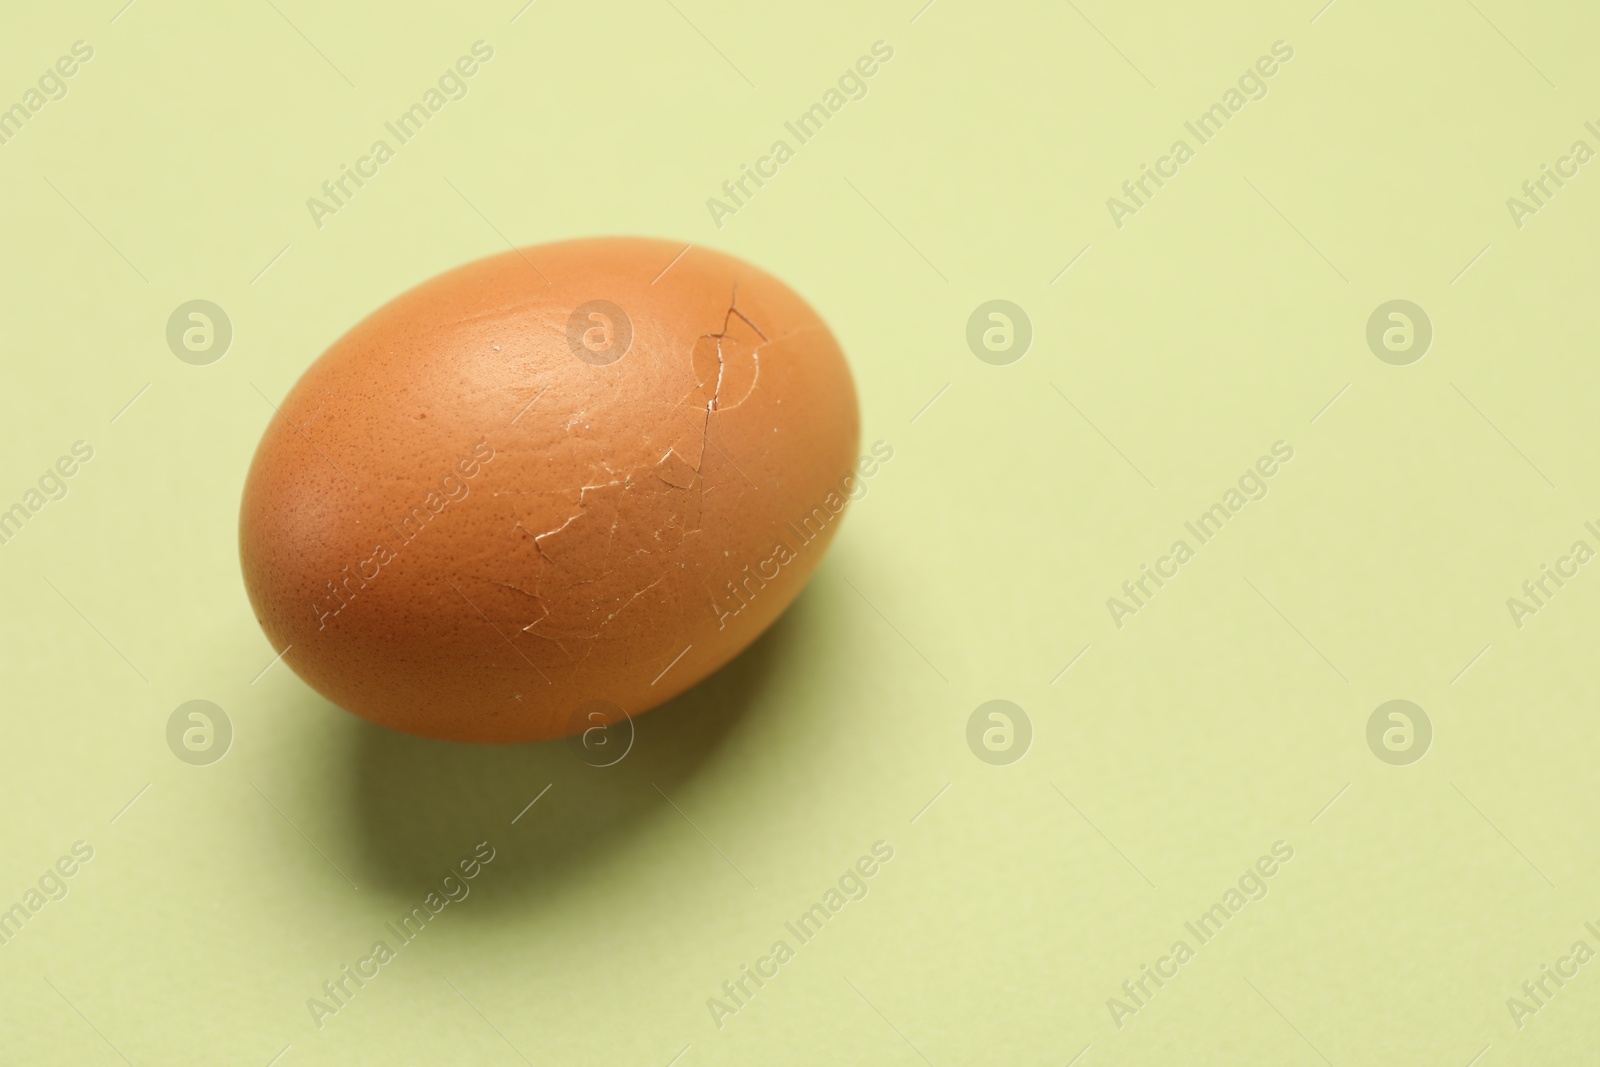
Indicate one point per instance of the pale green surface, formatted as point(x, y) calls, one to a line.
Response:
point(1193, 738)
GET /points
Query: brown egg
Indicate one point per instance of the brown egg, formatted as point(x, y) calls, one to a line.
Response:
point(593, 470)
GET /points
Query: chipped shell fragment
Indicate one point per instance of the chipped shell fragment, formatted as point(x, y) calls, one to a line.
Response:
point(531, 482)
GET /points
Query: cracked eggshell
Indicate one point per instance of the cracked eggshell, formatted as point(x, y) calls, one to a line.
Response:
point(548, 477)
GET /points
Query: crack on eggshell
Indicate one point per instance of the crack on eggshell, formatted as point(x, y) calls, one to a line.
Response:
point(528, 629)
point(679, 465)
point(525, 408)
point(517, 310)
point(544, 609)
point(629, 601)
point(736, 354)
point(539, 539)
point(572, 557)
point(550, 542)
point(509, 585)
point(675, 470)
point(315, 415)
point(798, 331)
point(602, 548)
point(733, 309)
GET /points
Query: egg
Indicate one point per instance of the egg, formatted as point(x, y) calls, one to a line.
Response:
point(575, 476)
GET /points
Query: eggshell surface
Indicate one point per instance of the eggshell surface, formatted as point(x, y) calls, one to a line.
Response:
point(593, 470)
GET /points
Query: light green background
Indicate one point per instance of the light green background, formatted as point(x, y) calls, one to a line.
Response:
point(1225, 716)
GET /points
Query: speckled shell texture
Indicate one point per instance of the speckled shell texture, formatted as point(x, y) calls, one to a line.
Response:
point(470, 518)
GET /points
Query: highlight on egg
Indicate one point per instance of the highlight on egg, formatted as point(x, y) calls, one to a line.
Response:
point(575, 476)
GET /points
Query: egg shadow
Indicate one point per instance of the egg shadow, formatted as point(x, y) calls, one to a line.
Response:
point(420, 806)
